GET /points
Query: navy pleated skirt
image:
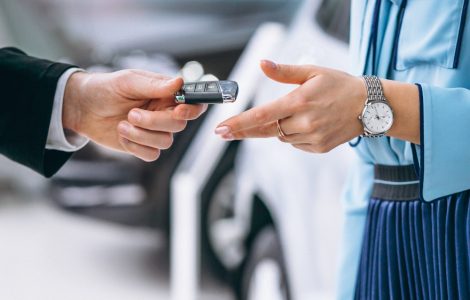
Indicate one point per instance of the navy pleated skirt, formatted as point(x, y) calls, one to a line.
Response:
point(414, 249)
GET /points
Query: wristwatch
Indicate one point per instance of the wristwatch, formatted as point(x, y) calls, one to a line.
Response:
point(377, 116)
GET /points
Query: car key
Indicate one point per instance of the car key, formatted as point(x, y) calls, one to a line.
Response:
point(211, 92)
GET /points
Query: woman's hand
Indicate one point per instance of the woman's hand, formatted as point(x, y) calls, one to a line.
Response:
point(131, 111)
point(319, 115)
point(322, 113)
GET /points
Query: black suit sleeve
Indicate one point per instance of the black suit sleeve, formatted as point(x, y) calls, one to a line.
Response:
point(27, 89)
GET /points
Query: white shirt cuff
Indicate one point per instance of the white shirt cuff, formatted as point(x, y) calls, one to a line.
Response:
point(59, 138)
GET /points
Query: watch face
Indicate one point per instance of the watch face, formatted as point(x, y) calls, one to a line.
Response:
point(377, 117)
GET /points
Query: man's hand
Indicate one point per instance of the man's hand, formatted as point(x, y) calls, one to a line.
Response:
point(131, 111)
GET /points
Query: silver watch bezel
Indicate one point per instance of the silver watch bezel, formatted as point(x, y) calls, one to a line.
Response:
point(367, 131)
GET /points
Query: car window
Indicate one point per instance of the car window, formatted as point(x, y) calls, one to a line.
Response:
point(334, 16)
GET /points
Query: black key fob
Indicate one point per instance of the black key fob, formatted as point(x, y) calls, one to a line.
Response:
point(211, 92)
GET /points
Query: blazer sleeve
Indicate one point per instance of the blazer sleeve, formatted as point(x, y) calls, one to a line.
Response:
point(27, 90)
point(444, 151)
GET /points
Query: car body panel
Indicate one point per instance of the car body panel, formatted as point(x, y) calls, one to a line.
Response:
point(302, 191)
point(201, 158)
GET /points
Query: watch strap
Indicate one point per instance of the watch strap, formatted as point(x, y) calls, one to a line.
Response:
point(375, 93)
point(374, 89)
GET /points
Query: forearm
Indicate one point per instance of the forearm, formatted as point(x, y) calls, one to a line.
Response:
point(404, 100)
point(324, 111)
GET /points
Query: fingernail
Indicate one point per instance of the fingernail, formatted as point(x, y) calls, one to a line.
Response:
point(124, 128)
point(222, 130)
point(228, 137)
point(172, 81)
point(135, 116)
point(269, 64)
point(169, 81)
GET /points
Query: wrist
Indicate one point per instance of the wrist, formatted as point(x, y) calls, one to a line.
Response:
point(360, 98)
point(73, 98)
point(404, 100)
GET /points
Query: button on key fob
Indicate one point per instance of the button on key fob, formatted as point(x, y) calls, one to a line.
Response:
point(212, 92)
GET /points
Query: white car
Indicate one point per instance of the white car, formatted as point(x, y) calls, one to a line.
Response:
point(271, 214)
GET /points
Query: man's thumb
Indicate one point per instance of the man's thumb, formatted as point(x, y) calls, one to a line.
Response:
point(294, 74)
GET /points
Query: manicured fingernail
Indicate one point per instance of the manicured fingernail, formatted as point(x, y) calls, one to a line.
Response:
point(124, 128)
point(269, 64)
point(135, 116)
point(228, 137)
point(222, 130)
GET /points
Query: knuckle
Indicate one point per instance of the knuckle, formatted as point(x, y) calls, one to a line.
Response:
point(121, 81)
point(312, 127)
point(306, 125)
point(122, 76)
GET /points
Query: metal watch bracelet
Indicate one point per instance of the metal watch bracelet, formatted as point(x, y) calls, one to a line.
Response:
point(374, 93)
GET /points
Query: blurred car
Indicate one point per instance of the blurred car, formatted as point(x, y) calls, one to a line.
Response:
point(155, 35)
point(292, 219)
point(270, 214)
point(90, 31)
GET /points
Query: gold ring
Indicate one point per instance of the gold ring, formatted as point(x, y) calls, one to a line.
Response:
point(280, 132)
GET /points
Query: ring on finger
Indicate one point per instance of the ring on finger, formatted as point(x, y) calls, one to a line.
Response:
point(280, 132)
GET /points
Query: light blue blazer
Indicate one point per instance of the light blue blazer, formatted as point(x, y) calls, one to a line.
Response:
point(426, 42)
